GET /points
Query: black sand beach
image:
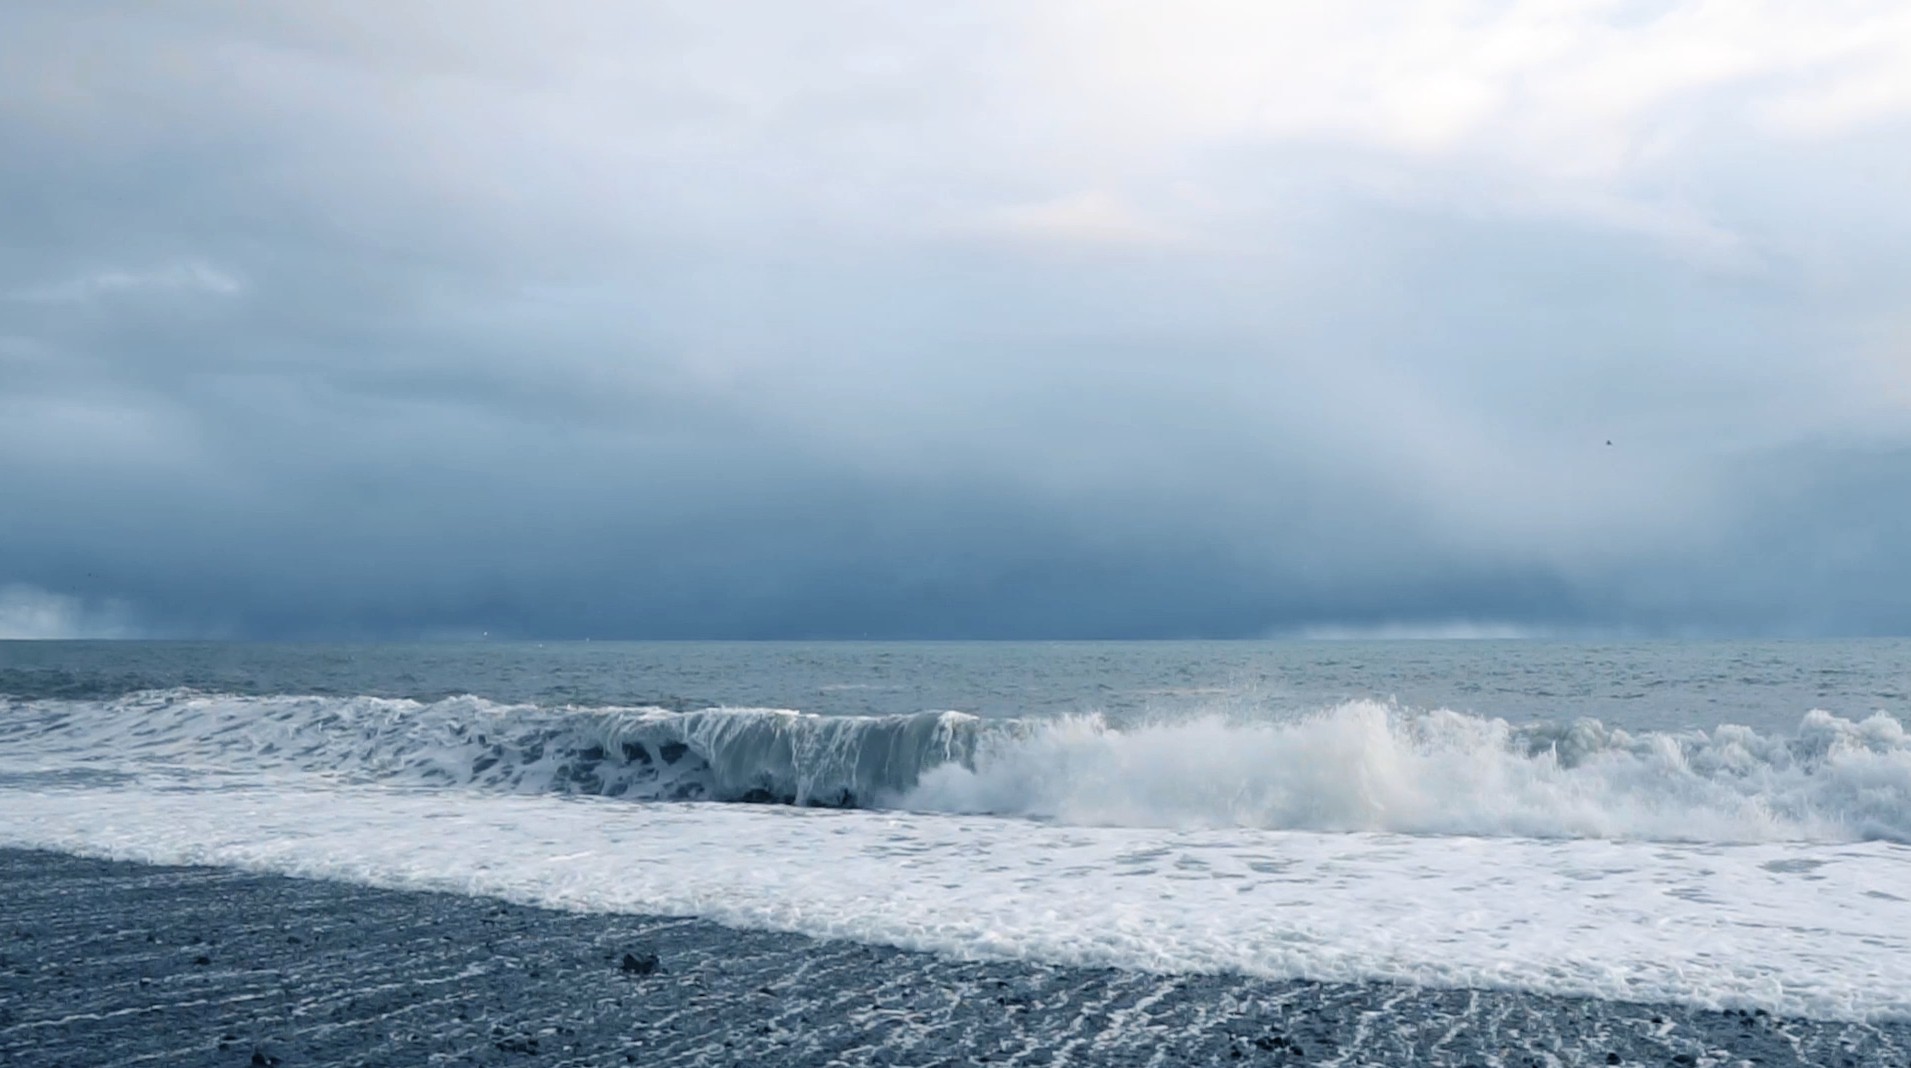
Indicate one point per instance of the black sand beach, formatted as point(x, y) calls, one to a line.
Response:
point(115, 963)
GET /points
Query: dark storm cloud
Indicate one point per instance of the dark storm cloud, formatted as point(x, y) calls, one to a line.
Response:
point(674, 321)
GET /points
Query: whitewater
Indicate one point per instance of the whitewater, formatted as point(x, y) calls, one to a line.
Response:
point(1352, 839)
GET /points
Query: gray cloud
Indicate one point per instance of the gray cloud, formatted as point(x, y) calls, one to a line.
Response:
point(708, 320)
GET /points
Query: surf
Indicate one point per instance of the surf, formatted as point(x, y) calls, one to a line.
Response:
point(1355, 766)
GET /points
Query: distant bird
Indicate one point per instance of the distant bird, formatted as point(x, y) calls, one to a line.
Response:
point(1609, 441)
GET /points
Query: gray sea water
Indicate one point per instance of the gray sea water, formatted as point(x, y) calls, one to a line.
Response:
point(1660, 685)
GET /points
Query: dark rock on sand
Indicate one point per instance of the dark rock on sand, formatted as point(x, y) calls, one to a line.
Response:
point(639, 964)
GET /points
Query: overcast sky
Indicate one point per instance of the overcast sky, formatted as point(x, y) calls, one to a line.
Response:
point(998, 319)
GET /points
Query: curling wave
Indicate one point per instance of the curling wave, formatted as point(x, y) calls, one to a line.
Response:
point(1360, 766)
point(718, 754)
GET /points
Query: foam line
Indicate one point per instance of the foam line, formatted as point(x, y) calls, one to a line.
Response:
point(1814, 929)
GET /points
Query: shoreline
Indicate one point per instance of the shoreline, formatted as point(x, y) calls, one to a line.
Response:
point(117, 962)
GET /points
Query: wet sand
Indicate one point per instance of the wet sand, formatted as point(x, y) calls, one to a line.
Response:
point(114, 963)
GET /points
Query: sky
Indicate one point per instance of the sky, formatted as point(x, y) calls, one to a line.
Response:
point(1007, 319)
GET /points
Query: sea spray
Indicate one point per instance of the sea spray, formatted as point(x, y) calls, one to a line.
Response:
point(1354, 766)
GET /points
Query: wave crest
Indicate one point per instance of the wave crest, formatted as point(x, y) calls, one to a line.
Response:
point(1359, 766)
point(1367, 766)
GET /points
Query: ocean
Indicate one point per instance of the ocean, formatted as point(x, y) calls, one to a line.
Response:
point(1717, 825)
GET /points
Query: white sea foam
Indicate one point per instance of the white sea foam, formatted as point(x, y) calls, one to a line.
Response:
point(1364, 841)
point(1812, 929)
point(1365, 766)
point(1360, 766)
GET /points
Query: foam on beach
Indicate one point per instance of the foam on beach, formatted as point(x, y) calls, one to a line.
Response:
point(1719, 868)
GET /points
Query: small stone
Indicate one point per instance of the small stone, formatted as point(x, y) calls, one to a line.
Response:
point(636, 965)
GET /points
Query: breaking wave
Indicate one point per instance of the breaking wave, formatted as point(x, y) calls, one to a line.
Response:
point(1359, 766)
point(718, 754)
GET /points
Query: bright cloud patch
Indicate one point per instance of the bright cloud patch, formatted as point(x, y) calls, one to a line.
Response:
point(29, 614)
point(182, 277)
